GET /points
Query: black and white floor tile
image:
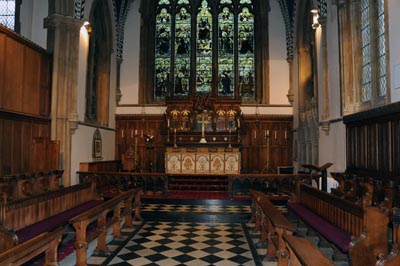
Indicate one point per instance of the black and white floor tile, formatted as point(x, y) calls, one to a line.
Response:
point(172, 243)
point(164, 238)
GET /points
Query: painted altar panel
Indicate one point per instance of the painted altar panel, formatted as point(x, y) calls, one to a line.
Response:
point(173, 163)
point(202, 161)
point(232, 163)
point(217, 163)
point(188, 163)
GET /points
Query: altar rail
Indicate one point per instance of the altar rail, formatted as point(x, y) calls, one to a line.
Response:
point(238, 184)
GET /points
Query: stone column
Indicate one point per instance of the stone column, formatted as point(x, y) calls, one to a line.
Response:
point(324, 51)
point(64, 114)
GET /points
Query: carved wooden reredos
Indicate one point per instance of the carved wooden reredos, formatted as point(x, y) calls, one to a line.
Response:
point(221, 116)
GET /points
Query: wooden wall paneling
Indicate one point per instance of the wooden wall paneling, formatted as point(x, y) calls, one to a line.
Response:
point(31, 82)
point(45, 85)
point(12, 90)
point(2, 66)
point(26, 140)
point(396, 146)
point(16, 140)
point(372, 146)
point(53, 155)
point(382, 145)
point(6, 146)
point(1, 145)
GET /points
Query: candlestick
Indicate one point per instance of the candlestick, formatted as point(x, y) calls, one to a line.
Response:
point(135, 132)
point(267, 132)
point(275, 134)
point(285, 135)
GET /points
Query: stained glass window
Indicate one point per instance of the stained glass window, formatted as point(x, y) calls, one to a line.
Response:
point(7, 13)
point(163, 53)
point(206, 47)
point(246, 53)
point(366, 52)
point(182, 52)
point(226, 70)
point(381, 48)
point(373, 50)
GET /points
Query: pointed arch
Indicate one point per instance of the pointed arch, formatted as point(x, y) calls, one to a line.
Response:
point(308, 137)
point(98, 72)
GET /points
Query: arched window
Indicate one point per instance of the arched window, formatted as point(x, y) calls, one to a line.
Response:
point(373, 50)
point(7, 13)
point(204, 47)
point(364, 58)
point(98, 69)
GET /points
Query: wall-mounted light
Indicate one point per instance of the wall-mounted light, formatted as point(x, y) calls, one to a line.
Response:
point(315, 17)
point(87, 25)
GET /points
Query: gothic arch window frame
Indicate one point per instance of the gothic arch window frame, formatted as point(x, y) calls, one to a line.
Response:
point(99, 65)
point(149, 70)
point(10, 14)
point(365, 22)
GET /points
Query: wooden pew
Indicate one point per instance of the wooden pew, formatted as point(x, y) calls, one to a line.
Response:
point(24, 219)
point(25, 185)
point(272, 225)
point(303, 252)
point(360, 231)
point(125, 201)
point(393, 258)
point(46, 242)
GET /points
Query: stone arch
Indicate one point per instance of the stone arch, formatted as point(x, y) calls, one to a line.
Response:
point(307, 86)
point(99, 61)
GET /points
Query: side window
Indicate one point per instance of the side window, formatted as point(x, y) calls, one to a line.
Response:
point(7, 13)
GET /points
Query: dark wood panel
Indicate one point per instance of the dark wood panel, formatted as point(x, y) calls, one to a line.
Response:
point(253, 143)
point(45, 85)
point(25, 71)
point(31, 80)
point(373, 140)
point(17, 135)
point(2, 67)
point(12, 90)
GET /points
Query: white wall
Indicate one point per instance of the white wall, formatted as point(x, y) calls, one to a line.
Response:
point(279, 67)
point(82, 139)
point(130, 65)
point(394, 43)
point(32, 16)
point(81, 150)
point(332, 147)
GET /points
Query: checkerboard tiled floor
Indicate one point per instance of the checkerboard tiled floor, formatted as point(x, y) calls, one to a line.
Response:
point(171, 243)
point(159, 241)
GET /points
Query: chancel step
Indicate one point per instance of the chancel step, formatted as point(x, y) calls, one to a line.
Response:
point(198, 183)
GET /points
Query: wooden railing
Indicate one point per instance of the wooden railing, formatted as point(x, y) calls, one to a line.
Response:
point(238, 184)
point(367, 225)
point(25, 185)
point(125, 202)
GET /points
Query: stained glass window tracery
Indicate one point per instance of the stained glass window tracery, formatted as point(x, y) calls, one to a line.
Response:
point(204, 46)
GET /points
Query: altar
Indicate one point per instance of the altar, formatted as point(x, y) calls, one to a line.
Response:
point(202, 160)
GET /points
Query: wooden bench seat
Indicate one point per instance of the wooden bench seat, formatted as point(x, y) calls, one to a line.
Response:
point(272, 225)
point(24, 219)
point(337, 236)
point(360, 231)
point(303, 252)
point(126, 201)
point(44, 243)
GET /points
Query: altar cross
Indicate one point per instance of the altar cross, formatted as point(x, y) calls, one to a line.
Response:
point(204, 121)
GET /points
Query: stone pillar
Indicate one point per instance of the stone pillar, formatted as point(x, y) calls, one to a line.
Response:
point(64, 114)
point(324, 51)
point(290, 94)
